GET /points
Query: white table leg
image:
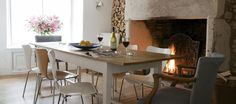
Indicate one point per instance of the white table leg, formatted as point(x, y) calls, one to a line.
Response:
point(107, 78)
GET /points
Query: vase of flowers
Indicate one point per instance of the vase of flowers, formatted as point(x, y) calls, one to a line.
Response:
point(45, 26)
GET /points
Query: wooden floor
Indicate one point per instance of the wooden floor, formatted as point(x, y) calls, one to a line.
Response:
point(11, 91)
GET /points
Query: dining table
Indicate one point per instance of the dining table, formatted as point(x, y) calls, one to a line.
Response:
point(107, 64)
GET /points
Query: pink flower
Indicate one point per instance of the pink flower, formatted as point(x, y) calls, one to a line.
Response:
point(44, 25)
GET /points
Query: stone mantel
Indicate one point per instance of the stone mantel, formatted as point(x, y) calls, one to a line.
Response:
point(177, 9)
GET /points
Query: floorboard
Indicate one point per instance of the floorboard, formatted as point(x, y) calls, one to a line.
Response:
point(11, 91)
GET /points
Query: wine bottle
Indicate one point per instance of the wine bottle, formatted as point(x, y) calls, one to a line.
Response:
point(113, 43)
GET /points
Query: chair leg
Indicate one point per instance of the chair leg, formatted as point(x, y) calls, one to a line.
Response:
point(59, 98)
point(66, 98)
point(63, 99)
point(92, 77)
point(92, 98)
point(26, 81)
point(82, 99)
point(53, 96)
point(115, 83)
point(135, 92)
point(61, 82)
point(51, 86)
point(75, 80)
point(121, 87)
point(57, 65)
point(39, 88)
point(113, 87)
point(142, 90)
point(97, 80)
point(36, 88)
point(66, 64)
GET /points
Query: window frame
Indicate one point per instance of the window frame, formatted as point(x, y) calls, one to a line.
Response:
point(9, 34)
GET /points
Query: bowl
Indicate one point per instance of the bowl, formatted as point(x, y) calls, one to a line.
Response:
point(77, 45)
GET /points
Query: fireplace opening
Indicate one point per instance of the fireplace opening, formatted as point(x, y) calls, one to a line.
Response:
point(170, 67)
point(182, 45)
point(187, 35)
point(162, 30)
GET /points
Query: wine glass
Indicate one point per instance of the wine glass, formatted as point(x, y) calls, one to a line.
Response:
point(100, 38)
point(125, 41)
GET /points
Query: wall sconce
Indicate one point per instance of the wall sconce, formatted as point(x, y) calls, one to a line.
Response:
point(99, 4)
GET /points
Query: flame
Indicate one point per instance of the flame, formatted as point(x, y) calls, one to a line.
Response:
point(170, 66)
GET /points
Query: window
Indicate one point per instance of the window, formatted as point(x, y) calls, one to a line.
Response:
point(70, 12)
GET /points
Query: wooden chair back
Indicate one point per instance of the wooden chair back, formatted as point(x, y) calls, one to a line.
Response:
point(42, 61)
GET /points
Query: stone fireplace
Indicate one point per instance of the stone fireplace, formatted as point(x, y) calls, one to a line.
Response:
point(174, 32)
point(152, 22)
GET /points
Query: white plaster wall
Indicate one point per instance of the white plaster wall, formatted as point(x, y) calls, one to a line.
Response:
point(146, 9)
point(96, 20)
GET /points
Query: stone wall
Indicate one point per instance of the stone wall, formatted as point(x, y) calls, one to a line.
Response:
point(230, 17)
point(118, 18)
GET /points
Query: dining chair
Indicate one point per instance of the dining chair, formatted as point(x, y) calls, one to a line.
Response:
point(44, 73)
point(201, 92)
point(79, 88)
point(28, 51)
point(55, 38)
point(144, 80)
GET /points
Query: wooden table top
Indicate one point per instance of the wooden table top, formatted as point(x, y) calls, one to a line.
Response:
point(138, 57)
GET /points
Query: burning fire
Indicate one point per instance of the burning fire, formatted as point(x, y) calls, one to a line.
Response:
point(170, 66)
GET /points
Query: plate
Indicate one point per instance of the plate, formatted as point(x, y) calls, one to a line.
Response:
point(77, 45)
